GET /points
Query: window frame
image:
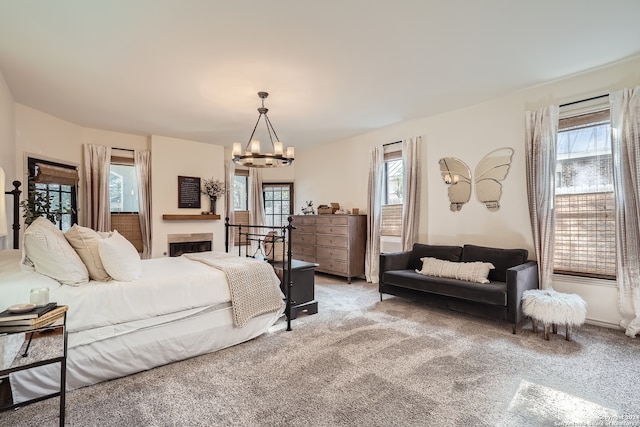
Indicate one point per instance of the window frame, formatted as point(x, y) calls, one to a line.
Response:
point(595, 116)
point(391, 213)
point(73, 191)
point(122, 161)
point(291, 204)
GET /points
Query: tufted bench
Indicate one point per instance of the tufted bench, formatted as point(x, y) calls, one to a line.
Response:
point(552, 309)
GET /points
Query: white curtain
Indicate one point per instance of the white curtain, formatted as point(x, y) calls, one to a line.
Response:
point(541, 136)
point(229, 211)
point(411, 200)
point(97, 161)
point(376, 186)
point(256, 203)
point(142, 160)
point(625, 145)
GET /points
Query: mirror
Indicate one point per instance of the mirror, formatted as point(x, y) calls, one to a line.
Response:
point(457, 176)
point(490, 171)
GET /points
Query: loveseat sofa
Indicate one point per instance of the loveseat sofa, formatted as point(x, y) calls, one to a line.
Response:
point(499, 299)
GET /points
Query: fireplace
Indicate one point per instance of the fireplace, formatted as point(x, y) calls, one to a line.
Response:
point(188, 243)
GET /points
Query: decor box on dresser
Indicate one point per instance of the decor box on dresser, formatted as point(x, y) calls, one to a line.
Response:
point(335, 242)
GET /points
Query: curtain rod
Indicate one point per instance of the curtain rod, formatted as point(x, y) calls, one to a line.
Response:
point(584, 100)
point(391, 143)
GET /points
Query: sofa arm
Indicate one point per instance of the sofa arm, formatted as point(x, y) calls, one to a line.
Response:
point(519, 279)
point(393, 261)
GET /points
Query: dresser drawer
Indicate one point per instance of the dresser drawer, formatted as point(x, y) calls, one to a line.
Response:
point(303, 220)
point(332, 229)
point(300, 250)
point(332, 220)
point(307, 239)
point(305, 229)
point(304, 257)
point(332, 266)
point(331, 240)
point(339, 254)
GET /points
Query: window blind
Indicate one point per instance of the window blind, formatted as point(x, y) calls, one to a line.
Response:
point(50, 174)
point(584, 200)
point(391, 223)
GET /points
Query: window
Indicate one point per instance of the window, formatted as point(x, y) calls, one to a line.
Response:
point(123, 197)
point(278, 203)
point(53, 187)
point(241, 191)
point(123, 182)
point(391, 223)
point(584, 199)
point(241, 201)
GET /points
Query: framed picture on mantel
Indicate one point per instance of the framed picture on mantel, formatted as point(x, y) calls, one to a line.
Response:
point(188, 192)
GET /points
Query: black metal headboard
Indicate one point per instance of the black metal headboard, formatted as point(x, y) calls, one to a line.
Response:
point(16, 212)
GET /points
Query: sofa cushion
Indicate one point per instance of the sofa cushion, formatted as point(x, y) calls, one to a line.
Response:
point(470, 271)
point(420, 250)
point(502, 259)
point(494, 293)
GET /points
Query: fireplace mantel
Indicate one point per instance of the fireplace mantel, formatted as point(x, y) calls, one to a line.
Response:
point(183, 217)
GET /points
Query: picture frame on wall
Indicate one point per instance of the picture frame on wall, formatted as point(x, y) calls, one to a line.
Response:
point(189, 192)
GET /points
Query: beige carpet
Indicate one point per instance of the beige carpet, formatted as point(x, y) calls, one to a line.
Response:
point(362, 362)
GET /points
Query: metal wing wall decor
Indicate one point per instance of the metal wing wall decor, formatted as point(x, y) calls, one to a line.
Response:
point(490, 171)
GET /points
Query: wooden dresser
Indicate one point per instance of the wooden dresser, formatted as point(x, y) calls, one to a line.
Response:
point(335, 242)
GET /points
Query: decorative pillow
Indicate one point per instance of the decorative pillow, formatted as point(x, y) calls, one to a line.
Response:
point(85, 241)
point(469, 271)
point(120, 258)
point(46, 248)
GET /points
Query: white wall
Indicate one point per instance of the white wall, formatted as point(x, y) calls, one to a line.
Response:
point(44, 136)
point(7, 153)
point(171, 158)
point(338, 172)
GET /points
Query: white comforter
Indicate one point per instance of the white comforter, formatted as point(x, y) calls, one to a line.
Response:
point(167, 285)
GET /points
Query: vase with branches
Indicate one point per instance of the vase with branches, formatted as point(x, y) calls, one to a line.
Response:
point(213, 188)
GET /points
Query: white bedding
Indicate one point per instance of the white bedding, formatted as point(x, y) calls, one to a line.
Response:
point(179, 308)
point(167, 285)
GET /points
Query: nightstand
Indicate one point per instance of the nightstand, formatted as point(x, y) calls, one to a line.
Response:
point(52, 339)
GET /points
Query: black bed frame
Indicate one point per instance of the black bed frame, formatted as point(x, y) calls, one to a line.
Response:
point(16, 212)
point(259, 233)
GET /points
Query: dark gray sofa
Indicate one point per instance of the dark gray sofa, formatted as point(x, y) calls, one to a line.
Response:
point(499, 300)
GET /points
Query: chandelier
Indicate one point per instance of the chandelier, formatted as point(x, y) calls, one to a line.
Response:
point(252, 156)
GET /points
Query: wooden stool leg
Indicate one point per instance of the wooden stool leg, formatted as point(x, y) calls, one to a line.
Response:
point(534, 324)
point(568, 332)
point(546, 331)
point(555, 328)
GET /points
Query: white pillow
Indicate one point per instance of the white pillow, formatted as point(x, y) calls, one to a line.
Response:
point(47, 249)
point(120, 258)
point(85, 241)
point(469, 271)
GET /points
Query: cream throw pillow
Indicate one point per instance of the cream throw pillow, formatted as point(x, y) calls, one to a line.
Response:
point(120, 258)
point(85, 241)
point(469, 271)
point(47, 249)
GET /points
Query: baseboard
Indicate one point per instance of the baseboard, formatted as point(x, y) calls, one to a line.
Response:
point(603, 324)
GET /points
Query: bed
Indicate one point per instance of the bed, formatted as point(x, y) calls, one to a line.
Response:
point(176, 308)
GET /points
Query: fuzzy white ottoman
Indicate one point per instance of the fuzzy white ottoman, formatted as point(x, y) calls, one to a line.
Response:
point(552, 309)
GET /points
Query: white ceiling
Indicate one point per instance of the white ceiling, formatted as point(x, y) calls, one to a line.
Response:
point(191, 68)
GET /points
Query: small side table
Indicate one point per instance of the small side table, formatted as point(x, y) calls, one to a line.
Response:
point(23, 360)
point(303, 291)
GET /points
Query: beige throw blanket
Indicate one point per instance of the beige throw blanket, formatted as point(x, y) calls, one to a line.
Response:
point(254, 286)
